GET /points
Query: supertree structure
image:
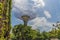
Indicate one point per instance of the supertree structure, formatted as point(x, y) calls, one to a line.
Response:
point(5, 13)
point(23, 11)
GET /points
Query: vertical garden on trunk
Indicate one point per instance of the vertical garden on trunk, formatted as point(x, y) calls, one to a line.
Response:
point(5, 19)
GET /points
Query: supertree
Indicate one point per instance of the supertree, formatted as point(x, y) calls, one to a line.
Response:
point(23, 11)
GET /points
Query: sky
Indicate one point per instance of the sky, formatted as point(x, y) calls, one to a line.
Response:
point(45, 13)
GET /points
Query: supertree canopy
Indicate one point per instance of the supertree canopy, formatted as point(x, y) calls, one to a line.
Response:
point(29, 15)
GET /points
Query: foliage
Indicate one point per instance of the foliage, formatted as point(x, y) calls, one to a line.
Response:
point(5, 11)
point(23, 33)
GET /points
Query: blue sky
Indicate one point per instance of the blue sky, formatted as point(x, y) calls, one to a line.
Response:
point(48, 12)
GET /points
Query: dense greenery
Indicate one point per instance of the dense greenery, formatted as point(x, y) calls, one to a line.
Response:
point(21, 32)
point(5, 15)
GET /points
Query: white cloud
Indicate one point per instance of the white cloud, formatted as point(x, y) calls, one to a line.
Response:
point(38, 3)
point(47, 14)
point(41, 22)
point(20, 4)
point(26, 5)
point(23, 6)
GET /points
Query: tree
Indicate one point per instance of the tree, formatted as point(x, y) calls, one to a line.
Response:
point(22, 32)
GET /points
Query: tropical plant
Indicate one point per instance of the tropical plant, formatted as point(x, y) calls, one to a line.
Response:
point(24, 33)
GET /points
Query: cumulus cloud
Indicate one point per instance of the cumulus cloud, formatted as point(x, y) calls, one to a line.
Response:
point(47, 14)
point(26, 5)
point(38, 3)
point(20, 4)
point(41, 22)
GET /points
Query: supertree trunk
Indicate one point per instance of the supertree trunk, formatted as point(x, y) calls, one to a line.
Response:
point(5, 13)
